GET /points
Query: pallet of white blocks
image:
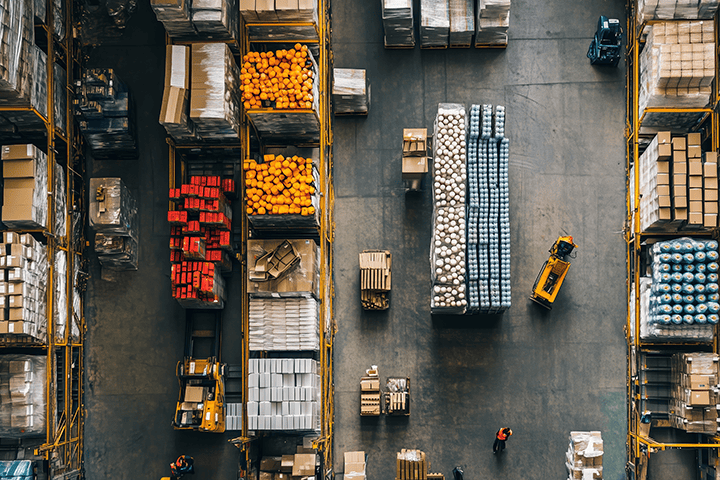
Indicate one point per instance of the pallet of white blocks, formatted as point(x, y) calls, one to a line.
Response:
point(583, 458)
point(284, 324)
point(398, 24)
point(488, 211)
point(375, 279)
point(447, 248)
point(493, 21)
point(233, 416)
point(677, 67)
point(283, 394)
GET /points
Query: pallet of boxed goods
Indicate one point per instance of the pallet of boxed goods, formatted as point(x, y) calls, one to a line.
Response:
point(414, 157)
point(301, 280)
point(375, 279)
point(411, 465)
point(370, 393)
point(462, 23)
point(200, 20)
point(398, 23)
point(25, 189)
point(284, 324)
point(355, 465)
point(350, 92)
point(493, 21)
point(583, 459)
point(114, 219)
point(22, 387)
point(694, 393)
point(280, 19)
point(671, 9)
point(434, 23)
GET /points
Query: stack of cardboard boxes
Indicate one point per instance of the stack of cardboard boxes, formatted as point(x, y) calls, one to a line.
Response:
point(215, 92)
point(176, 94)
point(350, 91)
point(370, 393)
point(354, 465)
point(264, 11)
point(672, 9)
point(22, 395)
point(583, 459)
point(434, 23)
point(493, 21)
point(411, 465)
point(284, 324)
point(175, 15)
point(678, 184)
point(23, 288)
point(695, 392)
point(25, 172)
point(375, 279)
point(462, 23)
point(414, 157)
point(289, 467)
point(398, 23)
point(114, 219)
point(198, 19)
point(283, 394)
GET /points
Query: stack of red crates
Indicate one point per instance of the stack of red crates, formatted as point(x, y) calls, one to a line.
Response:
point(200, 236)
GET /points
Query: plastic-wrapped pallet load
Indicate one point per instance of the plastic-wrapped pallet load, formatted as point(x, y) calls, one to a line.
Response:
point(284, 324)
point(176, 94)
point(113, 217)
point(677, 67)
point(398, 23)
point(694, 393)
point(434, 23)
point(462, 22)
point(215, 92)
point(22, 395)
point(672, 9)
point(583, 459)
point(25, 187)
point(493, 21)
point(297, 19)
point(216, 19)
point(350, 91)
point(283, 394)
point(23, 290)
point(17, 32)
point(175, 16)
point(447, 250)
point(17, 470)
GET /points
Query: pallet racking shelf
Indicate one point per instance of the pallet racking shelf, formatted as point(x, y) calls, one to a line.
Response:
point(640, 445)
point(62, 447)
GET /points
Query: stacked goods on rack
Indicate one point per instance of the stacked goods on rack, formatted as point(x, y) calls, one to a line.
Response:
point(284, 324)
point(462, 22)
point(199, 19)
point(411, 465)
point(200, 240)
point(18, 469)
point(279, 11)
point(22, 395)
point(493, 21)
point(114, 219)
point(23, 289)
point(672, 9)
point(434, 23)
point(583, 459)
point(283, 268)
point(678, 184)
point(695, 392)
point(354, 465)
point(25, 189)
point(282, 190)
point(215, 92)
point(102, 106)
point(370, 393)
point(677, 67)
point(375, 279)
point(283, 394)
point(174, 112)
point(488, 211)
point(414, 157)
point(299, 465)
point(397, 16)
point(350, 91)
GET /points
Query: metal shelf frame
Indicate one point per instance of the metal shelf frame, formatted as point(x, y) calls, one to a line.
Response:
point(639, 447)
point(64, 441)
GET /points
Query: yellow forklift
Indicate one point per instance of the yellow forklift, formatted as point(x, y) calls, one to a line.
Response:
point(201, 403)
point(553, 273)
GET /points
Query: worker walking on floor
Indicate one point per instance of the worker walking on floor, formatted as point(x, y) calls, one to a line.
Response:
point(181, 466)
point(500, 437)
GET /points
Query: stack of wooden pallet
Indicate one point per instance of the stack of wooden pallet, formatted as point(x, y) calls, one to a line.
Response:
point(375, 279)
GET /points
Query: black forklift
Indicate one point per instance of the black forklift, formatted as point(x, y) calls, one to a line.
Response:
point(605, 46)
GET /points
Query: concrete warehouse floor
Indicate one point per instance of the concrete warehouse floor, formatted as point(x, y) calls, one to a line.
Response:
point(541, 373)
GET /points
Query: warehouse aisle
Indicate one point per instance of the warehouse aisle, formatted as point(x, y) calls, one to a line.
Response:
point(135, 329)
point(541, 373)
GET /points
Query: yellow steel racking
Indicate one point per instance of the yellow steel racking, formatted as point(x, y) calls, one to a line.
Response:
point(326, 229)
point(640, 445)
point(63, 445)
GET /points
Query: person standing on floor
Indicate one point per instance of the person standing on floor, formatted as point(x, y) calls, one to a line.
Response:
point(500, 437)
point(182, 466)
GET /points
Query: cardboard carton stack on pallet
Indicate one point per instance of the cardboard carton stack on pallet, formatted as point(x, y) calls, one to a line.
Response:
point(414, 157)
point(434, 23)
point(350, 91)
point(199, 19)
point(370, 393)
point(411, 465)
point(672, 9)
point(493, 21)
point(25, 187)
point(398, 24)
point(583, 459)
point(354, 465)
point(695, 392)
point(678, 184)
point(174, 112)
point(462, 22)
point(22, 395)
point(254, 11)
point(113, 218)
point(375, 279)
point(289, 467)
point(23, 289)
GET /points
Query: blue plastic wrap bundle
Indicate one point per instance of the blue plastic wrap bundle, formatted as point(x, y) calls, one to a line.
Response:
point(684, 287)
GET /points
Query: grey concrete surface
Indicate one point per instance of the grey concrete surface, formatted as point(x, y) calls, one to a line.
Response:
point(541, 373)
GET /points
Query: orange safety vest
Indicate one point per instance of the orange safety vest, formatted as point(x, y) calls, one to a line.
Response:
point(501, 436)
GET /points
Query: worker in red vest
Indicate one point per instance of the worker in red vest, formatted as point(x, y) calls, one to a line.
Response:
point(181, 466)
point(500, 437)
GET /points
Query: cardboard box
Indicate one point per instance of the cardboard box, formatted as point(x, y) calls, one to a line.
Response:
point(664, 201)
point(665, 214)
point(194, 394)
point(663, 179)
point(679, 143)
point(699, 397)
point(413, 168)
point(695, 167)
point(266, 476)
point(415, 142)
point(700, 382)
point(663, 166)
point(679, 202)
point(20, 152)
point(711, 183)
point(15, 327)
point(694, 152)
point(694, 139)
point(270, 464)
point(663, 138)
point(695, 218)
point(177, 66)
point(664, 152)
point(679, 179)
point(370, 384)
point(302, 278)
point(174, 106)
point(679, 156)
point(710, 207)
point(680, 213)
point(19, 168)
point(710, 195)
point(695, 194)
point(286, 463)
point(663, 190)
point(710, 170)
point(303, 465)
point(710, 157)
point(695, 207)
point(679, 168)
point(695, 181)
